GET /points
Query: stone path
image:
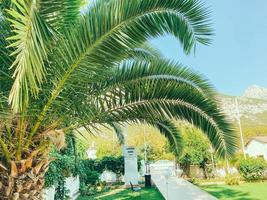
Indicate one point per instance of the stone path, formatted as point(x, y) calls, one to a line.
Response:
point(178, 188)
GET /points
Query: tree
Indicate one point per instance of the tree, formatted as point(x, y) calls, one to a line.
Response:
point(146, 138)
point(61, 70)
point(196, 150)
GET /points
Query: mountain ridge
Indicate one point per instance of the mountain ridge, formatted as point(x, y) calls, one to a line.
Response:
point(256, 92)
point(252, 108)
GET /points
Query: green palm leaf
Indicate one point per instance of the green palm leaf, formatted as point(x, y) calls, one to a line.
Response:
point(34, 24)
point(111, 29)
point(98, 71)
point(30, 38)
point(152, 91)
point(60, 14)
point(174, 137)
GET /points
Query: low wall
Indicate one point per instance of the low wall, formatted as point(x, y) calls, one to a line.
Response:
point(197, 172)
point(49, 193)
point(72, 184)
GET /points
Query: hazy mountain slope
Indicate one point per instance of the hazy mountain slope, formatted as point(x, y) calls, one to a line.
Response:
point(252, 108)
point(257, 92)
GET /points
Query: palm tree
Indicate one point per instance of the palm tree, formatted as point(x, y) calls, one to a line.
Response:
point(61, 70)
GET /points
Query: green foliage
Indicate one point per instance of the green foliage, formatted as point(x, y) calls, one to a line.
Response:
point(87, 190)
point(196, 151)
point(232, 180)
point(114, 164)
point(90, 190)
point(63, 166)
point(89, 177)
point(109, 163)
point(96, 74)
point(194, 181)
point(90, 170)
point(62, 193)
point(157, 146)
point(196, 147)
point(252, 169)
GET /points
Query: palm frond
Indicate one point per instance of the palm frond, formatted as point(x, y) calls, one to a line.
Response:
point(60, 14)
point(30, 36)
point(135, 71)
point(111, 29)
point(152, 90)
point(144, 52)
point(174, 137)
point(4, 5)
point(5, 58)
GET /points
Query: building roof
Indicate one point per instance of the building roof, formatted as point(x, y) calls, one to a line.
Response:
point(262, 139)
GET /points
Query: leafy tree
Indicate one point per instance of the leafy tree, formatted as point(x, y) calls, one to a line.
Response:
point(148, 138)
point(61, 70)
point(195, 150)
point(157, 145)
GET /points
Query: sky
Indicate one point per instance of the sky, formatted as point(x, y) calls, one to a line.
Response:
point(237, 57)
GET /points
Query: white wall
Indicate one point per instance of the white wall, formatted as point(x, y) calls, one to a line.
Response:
point(73, 184)
point(256, 148)
point(49, 193)
point(109, 177)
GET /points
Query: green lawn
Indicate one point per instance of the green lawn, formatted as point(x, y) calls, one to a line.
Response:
point(245, 191)
point(122, 194)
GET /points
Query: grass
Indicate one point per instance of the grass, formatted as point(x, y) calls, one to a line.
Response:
point(122, 194)
point(245, 191)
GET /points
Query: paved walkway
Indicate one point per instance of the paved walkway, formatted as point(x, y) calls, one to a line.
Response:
point(178, 188)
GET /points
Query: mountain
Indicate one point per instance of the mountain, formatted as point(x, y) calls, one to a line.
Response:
point(256, 92)
point(252, 108)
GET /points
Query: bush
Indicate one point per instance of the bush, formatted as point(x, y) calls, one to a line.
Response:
point(110, 163)
point(90, 170)
point(113, 164)
point(232, 180)
point(63, 166)
point(252, 169)
point(86, 190)
point(194, 181)
point(90, 177)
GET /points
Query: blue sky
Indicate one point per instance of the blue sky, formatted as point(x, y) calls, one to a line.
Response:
point(237, 57)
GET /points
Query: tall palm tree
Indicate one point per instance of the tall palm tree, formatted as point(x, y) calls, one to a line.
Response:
point(61, 70)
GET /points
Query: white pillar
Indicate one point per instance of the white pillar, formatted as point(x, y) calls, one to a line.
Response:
point(130, 166)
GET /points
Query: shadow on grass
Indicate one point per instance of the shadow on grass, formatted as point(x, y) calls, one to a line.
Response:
point(227, 193)
point(121, 194)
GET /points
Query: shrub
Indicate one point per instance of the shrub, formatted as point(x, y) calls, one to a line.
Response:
point(90, 177)
point(194, 181)
point(63, 166)
point(232, 180)
point(252, 169)
point(86, 190)
point(110, 163)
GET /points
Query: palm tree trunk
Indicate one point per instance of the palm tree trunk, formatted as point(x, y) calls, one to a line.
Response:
point(24, 180)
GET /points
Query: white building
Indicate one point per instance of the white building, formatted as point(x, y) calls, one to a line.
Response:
point(257, 147)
